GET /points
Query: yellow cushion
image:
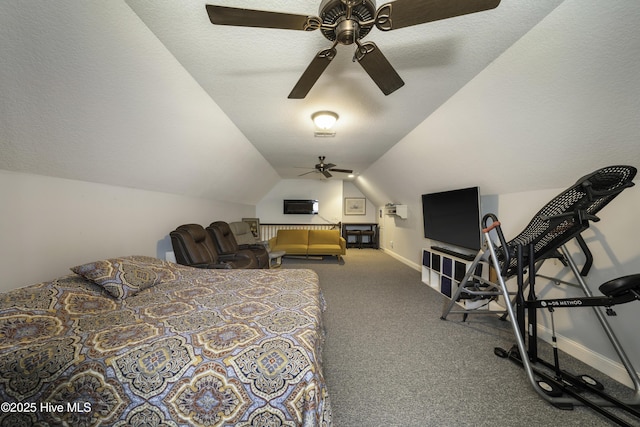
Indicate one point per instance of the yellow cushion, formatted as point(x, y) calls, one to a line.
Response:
point(296, 237)
point(312, 242)
point(324, 237)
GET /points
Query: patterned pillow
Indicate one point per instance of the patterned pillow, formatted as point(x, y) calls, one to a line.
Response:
point(125, 276)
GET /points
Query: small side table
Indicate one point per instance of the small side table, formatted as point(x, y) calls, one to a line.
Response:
point(275, 258)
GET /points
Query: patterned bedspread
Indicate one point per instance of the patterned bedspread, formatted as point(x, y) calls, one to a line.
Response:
point(143, 342)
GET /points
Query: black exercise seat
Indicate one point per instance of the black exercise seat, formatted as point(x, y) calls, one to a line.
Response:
point(621, 286)
point(567, 215)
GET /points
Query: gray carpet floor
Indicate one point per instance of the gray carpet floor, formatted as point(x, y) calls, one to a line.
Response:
point(390, 361)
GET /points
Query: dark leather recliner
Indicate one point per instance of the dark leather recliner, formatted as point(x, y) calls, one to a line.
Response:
point(226, 244)
point(193, 246)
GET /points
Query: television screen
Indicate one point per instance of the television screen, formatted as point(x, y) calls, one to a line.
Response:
point(453, 217)
point(300, 207)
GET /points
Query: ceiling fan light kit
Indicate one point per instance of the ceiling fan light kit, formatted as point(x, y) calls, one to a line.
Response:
point(346, 22)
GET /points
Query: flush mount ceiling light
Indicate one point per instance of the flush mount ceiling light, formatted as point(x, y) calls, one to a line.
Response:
point(324, 121)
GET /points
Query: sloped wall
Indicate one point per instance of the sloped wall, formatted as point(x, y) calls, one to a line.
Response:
point(89, 93)
point(107, 142)
point(51, 224)
point(560, 103)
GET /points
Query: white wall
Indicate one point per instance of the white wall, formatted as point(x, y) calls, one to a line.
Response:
point(330, 194)
point(327, 192)
point(89, 93)
point(564, 98)
point(371, 212)
point(50, 224)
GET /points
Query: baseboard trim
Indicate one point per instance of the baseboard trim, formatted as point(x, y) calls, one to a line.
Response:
point(603, 364)
point(607, 366)
point(402, 259)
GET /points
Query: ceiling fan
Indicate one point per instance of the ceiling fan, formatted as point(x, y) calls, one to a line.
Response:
point(347, 22)
point(324, 168)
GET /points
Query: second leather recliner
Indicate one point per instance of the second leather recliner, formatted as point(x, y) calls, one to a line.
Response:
point(226, 245)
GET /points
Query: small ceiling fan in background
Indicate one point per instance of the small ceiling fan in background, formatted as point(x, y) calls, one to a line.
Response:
point(324, 168)
point(347, 22)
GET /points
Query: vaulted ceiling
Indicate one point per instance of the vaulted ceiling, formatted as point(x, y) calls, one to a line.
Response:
point(149, 94)
point(249, 72)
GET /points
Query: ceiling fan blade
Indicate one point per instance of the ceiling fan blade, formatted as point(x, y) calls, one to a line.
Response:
point(404, 13)
point(222, 15)
point(341, 170)
point(306, 173)
point(378, 68)
point(329, 166)
point(326, 174)
point(313, 72)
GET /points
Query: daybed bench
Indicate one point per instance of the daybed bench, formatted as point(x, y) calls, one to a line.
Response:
point(309, 242)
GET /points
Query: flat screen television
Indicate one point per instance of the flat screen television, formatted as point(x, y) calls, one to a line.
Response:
point(453, 217)
point(300, 207)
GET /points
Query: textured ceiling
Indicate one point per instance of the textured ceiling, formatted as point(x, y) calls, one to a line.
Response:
point(88, 93)
point(151, 95)
point(249, 72)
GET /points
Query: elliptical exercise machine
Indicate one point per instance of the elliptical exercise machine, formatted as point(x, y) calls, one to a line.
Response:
point(561, 220)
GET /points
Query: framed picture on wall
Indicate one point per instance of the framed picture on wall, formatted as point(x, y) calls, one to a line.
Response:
point(355, 206)
point(254, 224)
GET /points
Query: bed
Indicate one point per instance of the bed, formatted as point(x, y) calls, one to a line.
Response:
point(135, 341)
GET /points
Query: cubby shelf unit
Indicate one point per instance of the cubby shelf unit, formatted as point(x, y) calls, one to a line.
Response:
point(444, 272)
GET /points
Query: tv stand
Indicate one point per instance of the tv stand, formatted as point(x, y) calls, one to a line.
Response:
point(451, 252)
point(444, 269)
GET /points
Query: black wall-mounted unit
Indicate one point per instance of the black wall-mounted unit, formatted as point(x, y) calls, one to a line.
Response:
point(300, 207)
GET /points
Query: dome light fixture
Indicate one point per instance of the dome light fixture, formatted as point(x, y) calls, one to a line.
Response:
point(324, 120)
